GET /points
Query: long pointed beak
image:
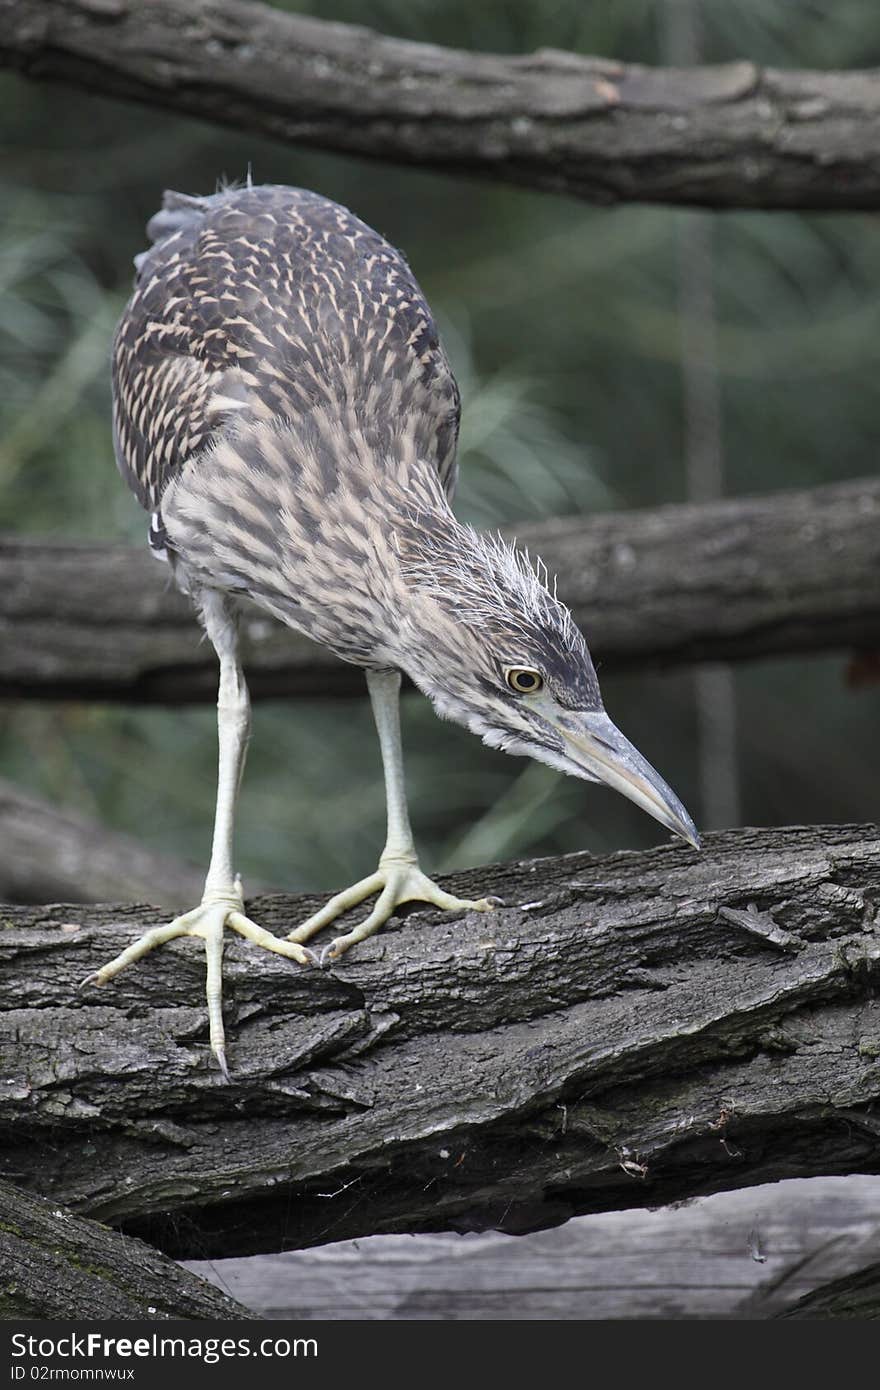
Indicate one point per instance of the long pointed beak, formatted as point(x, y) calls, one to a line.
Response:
point(600, 750)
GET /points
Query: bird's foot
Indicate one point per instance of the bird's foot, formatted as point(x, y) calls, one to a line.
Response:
point(216, 911)
point(397, 880)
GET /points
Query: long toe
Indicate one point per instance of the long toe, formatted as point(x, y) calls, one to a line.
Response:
point(400, 881)
point(338, 904)
point(209, 921)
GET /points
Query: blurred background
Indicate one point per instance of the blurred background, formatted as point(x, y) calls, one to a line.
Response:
point(608, 358)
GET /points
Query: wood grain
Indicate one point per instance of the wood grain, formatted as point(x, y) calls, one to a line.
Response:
point(750, 1254)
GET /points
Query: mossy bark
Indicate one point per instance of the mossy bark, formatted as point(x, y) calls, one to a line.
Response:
point(59, 1266)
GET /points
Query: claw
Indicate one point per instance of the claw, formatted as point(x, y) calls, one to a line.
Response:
point(208, 921)
point(397, 880)
point(220, 1054)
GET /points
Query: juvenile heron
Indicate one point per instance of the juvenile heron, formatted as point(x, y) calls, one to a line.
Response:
point(284, 410)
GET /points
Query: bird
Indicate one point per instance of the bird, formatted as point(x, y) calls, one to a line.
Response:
point(285, 412)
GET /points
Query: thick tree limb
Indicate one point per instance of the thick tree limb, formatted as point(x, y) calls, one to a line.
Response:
point(746, 577)
point(729, 136)
point(50, 854)
point(609, 1039)
point(57, 1265)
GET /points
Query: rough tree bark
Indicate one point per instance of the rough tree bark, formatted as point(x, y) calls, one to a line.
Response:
point(744, 577)
point(730, 136)
point(856, 1296)
point(627, 1031)
point(57, 1265)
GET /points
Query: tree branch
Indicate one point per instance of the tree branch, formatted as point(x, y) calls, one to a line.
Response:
point(730, 136)
point(57, 1265)
point(609, 1039)
point(741, 578)
point(52, 855)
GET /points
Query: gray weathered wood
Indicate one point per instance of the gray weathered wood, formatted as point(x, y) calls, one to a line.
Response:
point(735, 135)
point(56, 1265)
point(606, 1040)
point(50, 854)
point(745, 577)
point(752, 1253)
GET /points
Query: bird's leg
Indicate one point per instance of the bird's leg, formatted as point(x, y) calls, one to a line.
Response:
point(398, 878)
point(222, 902)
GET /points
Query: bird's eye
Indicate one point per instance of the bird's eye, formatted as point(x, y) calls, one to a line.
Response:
point(523, 680)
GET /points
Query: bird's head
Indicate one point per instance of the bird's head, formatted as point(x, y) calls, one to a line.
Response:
point(486, 639)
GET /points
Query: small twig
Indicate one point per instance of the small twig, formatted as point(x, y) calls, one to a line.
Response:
point(761, 924)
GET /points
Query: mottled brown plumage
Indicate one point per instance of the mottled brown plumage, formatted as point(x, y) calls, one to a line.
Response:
point(284, 409)
point(270, 303)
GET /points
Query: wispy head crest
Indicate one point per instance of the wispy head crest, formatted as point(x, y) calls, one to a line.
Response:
point(488, 582)
point(227, 185)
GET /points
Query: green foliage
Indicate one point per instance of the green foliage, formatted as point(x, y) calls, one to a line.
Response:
point(562, 322)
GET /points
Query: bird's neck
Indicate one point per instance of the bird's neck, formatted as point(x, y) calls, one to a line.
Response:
point(426, 555)
point(348, 546)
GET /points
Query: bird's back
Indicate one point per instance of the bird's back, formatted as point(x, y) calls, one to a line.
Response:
point(267, 304)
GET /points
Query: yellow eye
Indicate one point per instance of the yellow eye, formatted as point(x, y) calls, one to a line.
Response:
point(523, 679)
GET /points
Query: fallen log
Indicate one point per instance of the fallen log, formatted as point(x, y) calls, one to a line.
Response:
point(750, 1254)
point(610, 1038)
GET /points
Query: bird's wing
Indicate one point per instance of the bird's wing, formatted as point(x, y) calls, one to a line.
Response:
point(265, 303)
